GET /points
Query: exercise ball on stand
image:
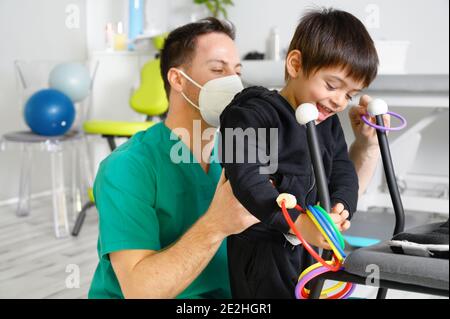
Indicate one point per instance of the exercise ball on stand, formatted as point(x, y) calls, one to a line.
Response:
point(72, 79)
point(49, 112)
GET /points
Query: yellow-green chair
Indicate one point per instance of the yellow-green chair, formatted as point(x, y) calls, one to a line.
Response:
point(149, 99)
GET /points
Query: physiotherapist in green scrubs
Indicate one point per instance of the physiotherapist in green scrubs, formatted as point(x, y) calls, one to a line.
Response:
point(163, 223)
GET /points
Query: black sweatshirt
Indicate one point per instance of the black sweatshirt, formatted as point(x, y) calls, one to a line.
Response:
point(257, 110)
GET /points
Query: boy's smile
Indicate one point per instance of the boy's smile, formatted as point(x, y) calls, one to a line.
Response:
point(324, 112)
point(330, 89)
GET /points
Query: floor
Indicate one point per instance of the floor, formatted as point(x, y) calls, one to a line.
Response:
point(34, 264)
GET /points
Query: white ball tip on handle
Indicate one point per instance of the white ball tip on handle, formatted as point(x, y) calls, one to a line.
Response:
point(306, 112)
point(377, 107)
point(289, 200)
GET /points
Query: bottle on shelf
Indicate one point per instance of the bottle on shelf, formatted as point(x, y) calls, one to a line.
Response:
point(135, 21)
point(273, 51)
point(120, 38)
point(109, 37)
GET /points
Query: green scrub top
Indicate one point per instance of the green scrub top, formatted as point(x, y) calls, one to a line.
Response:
point(146, 200)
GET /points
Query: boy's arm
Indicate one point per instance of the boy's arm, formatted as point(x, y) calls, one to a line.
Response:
point(343, 181)
point(241, 128)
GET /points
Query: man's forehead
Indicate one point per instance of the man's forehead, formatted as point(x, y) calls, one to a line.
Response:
point(208, 39)
point(217, 48)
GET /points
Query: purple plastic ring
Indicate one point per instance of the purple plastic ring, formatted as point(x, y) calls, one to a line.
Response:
point(350, 292)
point(311, 275)
point(403, 124)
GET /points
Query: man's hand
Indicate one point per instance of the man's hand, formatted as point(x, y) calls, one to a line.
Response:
point(226, 212)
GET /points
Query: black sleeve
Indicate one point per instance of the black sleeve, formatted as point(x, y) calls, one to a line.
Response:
point(344, 180)
point(250, 186)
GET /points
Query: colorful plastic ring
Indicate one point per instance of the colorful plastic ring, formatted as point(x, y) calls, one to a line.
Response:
point(403, 124)
point(338, 233)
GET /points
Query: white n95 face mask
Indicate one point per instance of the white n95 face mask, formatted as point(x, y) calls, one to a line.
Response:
point(215, 96)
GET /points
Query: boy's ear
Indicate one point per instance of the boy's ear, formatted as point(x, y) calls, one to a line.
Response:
point(175, 79)
point(294, 63)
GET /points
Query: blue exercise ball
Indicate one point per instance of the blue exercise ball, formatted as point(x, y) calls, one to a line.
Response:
point(72, 79)
point(49, 112)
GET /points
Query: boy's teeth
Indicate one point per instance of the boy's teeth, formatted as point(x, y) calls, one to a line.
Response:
point(325, 108)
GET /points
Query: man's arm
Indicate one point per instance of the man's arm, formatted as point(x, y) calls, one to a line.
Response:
point(166, 273)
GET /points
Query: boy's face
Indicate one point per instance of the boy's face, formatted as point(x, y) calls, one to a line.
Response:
point(329, 89)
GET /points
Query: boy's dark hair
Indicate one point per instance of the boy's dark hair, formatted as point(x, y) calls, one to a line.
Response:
point(334, 38)
point(180, 45)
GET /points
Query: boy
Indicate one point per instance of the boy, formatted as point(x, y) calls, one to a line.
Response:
point(330, 59)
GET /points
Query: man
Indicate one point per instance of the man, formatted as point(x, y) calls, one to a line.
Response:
point(163, 224)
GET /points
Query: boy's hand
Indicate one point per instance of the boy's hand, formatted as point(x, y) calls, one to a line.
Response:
point(365, 135)
point(310, 232)
point(340, 217)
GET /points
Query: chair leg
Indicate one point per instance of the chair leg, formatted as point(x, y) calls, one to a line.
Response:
point(86, 161)
point(23, 206)
point(76, 181)
point(111, 142)
point(61, 223)
point(82, 215)
point(80, 219)
point(85, 170)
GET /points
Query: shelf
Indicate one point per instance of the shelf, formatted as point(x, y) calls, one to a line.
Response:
point(271, 74)
point(121, 53)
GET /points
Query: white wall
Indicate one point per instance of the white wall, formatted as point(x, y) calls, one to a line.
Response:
point(32, 30)
point(424, 23)
point(36, 29)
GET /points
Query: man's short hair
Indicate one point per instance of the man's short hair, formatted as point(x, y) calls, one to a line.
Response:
point(180, 45)
point(334, 38)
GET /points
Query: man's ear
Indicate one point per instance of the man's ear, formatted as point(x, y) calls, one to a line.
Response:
point(294, 63)
point(175, 80)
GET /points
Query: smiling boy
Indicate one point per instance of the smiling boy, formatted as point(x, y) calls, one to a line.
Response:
point(330, 59)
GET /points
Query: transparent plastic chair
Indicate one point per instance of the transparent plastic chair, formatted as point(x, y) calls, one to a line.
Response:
point(68, 153)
